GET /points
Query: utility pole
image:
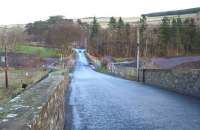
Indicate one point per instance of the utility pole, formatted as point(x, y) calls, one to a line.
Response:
point(5, 54)
point(138, 52)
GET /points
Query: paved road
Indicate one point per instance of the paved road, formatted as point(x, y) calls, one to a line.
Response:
point(101, 102)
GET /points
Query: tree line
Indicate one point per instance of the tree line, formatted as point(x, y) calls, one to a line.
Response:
point(172, 37)
point(178, 36)
point(116, 40)
point(55, 32)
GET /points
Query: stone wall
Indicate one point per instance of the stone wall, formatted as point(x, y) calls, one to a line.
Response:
point(40, 107)
point(51, 116)
point(125, 72)
point(182, 81)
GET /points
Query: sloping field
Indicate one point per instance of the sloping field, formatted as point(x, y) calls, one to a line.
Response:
point(176, 62)
point(181, 62)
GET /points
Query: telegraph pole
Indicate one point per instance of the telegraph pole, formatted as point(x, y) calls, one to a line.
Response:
point(5, 54)
point(138, 52)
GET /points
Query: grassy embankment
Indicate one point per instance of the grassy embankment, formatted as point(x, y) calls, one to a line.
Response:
point(97, 63)
point(101, 69)
point(18, 76)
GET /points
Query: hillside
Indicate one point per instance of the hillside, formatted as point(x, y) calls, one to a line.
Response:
point(104, 20)
point(174, 12)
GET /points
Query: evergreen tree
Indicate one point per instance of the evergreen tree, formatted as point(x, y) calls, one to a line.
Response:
point(120, 23)
point(173, 33)
point(179, 22)
point(95, 37)
point(79, 22)
point(143, 26)
point(127, 28)
point(186, 34)
point(143, 23)
point(197, 43)
point(165, 33)
point(112, 23)
point(179, 35)
point(189, 34)
point(95, 28)
point(192, 32)
point(127, 38)
point(173, 27)
point(120, 40)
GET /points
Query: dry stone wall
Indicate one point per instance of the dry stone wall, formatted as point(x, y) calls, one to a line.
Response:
point(39, 108)
point(186, 82)
point(182, 81)
point(51, 116)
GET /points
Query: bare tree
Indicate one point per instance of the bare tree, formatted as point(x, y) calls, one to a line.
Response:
point(63, 35)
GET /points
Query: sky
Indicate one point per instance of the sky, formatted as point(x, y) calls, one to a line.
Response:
point(25, 11)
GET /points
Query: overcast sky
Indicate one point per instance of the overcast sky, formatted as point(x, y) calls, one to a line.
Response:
point(24, 11)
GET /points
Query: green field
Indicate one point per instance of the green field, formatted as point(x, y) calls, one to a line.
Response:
point(16, 77)
point(41, 51)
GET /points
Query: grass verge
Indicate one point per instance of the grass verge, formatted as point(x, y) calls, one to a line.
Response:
point(101, 69)
point(41, 51)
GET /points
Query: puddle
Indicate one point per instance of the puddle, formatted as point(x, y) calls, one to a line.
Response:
point(4, 120)
point(11, 115)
